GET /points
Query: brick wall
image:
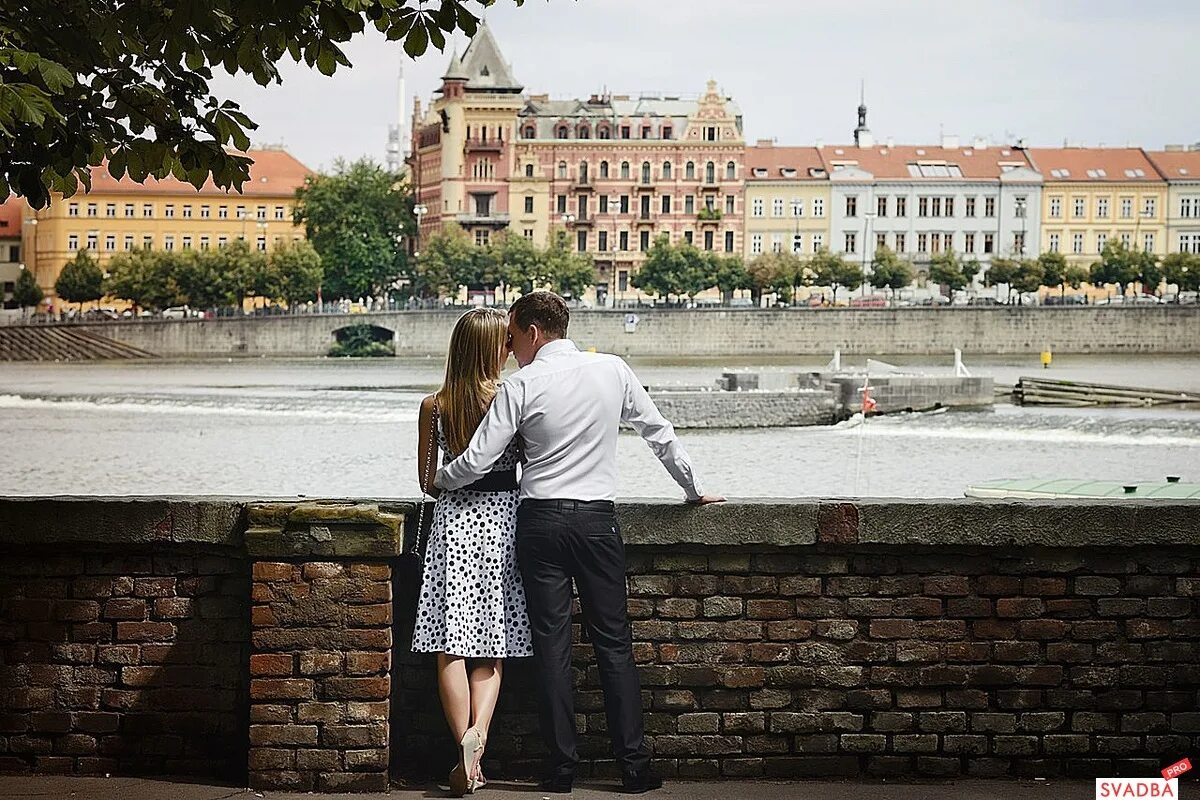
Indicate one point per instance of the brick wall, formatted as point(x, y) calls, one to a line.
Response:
point(123, 663)
point(320, 669)
point(828, 661)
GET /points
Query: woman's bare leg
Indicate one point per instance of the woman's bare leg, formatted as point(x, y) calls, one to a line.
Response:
point(455, 691)
point(485, 678)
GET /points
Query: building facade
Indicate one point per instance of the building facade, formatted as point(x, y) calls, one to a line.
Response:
point(611, 173)
point(168, 214)
point(979, 201)
point(1181, 170)
point(1091, 196)
point(12, 213)
point(787, 200)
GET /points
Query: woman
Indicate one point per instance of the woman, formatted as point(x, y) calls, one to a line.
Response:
point(472, 606)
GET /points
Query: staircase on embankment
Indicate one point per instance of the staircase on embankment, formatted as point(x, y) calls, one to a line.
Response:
point(61, 343)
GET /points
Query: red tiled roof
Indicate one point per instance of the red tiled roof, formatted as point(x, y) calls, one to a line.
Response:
point(12, 212)
point(893, 162)
point(1177, 165)
point(776, 159)
point(1093, 164)
point(273, 173)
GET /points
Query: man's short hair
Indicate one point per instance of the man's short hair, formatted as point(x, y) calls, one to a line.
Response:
point(545, 309)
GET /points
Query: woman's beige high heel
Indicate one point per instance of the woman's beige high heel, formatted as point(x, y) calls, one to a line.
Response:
point(462, 777)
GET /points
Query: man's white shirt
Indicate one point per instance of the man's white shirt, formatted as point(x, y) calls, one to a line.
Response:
point(567, 406)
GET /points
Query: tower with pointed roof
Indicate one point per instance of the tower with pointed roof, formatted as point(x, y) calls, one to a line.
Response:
point(862, 134)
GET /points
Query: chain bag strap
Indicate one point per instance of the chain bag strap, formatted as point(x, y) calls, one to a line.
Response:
point(433, 443)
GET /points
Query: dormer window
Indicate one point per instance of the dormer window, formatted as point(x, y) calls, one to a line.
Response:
point(562, 132)
point(666, 132)
point(603, 132)
point(760, 172)
point(583, 132)
point(529, 132)
point(788, 172)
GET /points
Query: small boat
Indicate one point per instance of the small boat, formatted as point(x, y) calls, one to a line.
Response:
point(1079, 489)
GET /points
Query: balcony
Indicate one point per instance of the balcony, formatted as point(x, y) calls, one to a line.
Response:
point(644, 219)
point(644, 186)
point(710, 183)
point(487, 218)
point(583, 184)
point(483, 146)
point(709, 215)
point(584, 220)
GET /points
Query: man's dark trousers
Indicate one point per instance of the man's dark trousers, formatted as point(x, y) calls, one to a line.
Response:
point(557, 541)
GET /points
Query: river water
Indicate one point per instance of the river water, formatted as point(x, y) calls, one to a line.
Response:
point(340, 428)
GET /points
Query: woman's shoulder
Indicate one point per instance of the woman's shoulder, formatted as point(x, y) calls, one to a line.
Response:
point(427, 403)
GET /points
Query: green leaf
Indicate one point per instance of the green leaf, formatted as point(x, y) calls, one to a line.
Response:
point(417, 41)
point(117, 164)
point(326, 61)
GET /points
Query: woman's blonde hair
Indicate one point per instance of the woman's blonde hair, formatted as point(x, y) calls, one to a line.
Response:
point(472, 370)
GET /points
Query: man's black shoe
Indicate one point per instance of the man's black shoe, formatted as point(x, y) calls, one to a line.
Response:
point(555, 785)
point(639, 782)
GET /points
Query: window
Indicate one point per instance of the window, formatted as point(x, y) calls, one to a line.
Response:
point(689, 171)
point(73, 209)
point(687, 237)
point(623, 240)
point(110, 242)
point(756, 243)
point(222, 241)
point(561, 204)
point(666, 204)
point(1019, 242)
point(1185, 207)
point(777, 207)
point(1054, 243)
point(776, 242)
point(644, 206)
point(147, 241)
point(168, 242)
point(666, 132)
point(529, 170)
point(279, 212)
point(1080, 207)
point(93, 241)
point(1148, 242)
point(625, 133)
point(901, 207)
point(935, 241)
point(147, 209)
point(241, 212)
point(624, 204)
point(72, 241)
point(1102, 207)
point(603, 204)
point(645, 172)
point(881, 206)
point(1077, 244)
point(730, 171)
point(880, 240)
point(968, 243)
point(729, 203)
point(562, 132)
point(756, 207)
point(969, 206)
point(223, 212)
point(110, 209)
point(602, 241)
point(935, 204)
point(1056, 208)
point(1101, 240)
point(603, 169)
point(710, 172)
point(797, 243)
point(728, 241)
point(625, 170)
point(644, 240)
point(581, 238)
point(989, 206)
point(128, 242)
point(818, 241)
point(797, 207)
point(1126, 208)
point(482, 237)
point(851, 242)
point(528, 204)
point(989, 242)
point(851, 208)
point(187, 242)
point(710, 133)
point(666, 170)
point(169, 210)
point(583, 132)
point(646, 131)
point(1149, 207)
point(709, 201)
point(204, 242)
point(900, 243)
point(708, 240)
point(818, 206)
point(922, 206)
point(1127, 239)
point(922, 243)
point(949, 206)
point(562, 169)
point(689, 204)
point(187, 212)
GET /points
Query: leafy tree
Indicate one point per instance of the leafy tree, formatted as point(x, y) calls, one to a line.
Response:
point(729, 275)
point(294, 272)
point(27, 293)
point(699, 270)
point(1029, 276)
point(140, 276)
point(357, 219)
point(518, 261)
point(240, 271)
point(82, 80)
point(445, 258)
point(1183, 270)
point(836, 272)
point(662, 273)
point(946, 269)
point(1118, 264)
point(1075, 276)
point(568, 273)
point(81, 279)
point(773, 273)
point(889, 271)
point(1054, 270)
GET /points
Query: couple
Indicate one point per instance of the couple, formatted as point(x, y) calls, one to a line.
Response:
point(496, 542)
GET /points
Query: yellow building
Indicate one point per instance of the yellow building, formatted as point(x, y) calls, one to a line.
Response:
point(1091, 196)
point(787, 200)
point(168, 214)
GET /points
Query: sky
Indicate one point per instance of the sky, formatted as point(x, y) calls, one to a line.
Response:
point(1094, 72)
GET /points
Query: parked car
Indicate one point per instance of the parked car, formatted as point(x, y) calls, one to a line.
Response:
point(128, 313)
point(1064, 300)
point(100, 314)
point(983, 301)
point(874, 301)
point(1130, 300)
point(180, 312)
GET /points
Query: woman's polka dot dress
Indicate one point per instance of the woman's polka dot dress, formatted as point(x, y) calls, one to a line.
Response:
point(472, 602)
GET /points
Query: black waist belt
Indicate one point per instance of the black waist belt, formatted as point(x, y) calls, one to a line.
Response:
point(504, 480)
point(569, 505)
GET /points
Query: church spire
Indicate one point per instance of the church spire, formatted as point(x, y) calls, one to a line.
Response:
point(484, 65)
point(862, 134)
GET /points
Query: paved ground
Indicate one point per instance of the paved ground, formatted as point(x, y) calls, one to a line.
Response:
point(70, 788)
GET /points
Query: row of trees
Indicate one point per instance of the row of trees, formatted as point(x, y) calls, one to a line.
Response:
point(223, 277)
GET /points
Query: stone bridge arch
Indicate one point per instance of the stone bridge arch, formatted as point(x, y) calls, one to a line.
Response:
point(378, 333)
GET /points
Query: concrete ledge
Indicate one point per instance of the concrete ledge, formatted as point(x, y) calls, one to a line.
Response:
point(357, 528)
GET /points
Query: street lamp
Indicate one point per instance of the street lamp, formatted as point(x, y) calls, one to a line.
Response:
point(419, 210)
point(614, 203)
point(868, 216)
point(1019, 207)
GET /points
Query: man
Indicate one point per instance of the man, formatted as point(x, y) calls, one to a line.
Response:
point(567, 407)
